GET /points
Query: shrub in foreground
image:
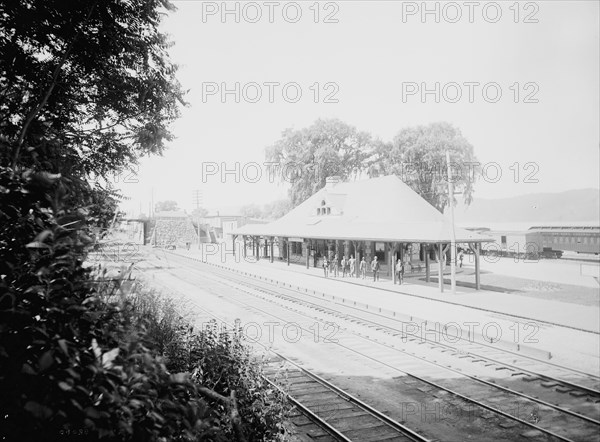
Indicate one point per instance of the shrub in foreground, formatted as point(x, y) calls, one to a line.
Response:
point(79, 357)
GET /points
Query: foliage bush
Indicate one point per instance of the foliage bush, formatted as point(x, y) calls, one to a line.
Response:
point(213, 357)
point(87, 88)
point(80, 357)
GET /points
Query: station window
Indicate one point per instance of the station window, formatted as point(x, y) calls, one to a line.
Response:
point(503, 239)
point(323, 210)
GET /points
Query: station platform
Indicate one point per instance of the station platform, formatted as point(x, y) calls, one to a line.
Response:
point(566, 332)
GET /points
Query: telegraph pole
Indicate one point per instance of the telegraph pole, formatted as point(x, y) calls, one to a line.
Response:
point(197, 198)
point(152, 204)
point(452, 230)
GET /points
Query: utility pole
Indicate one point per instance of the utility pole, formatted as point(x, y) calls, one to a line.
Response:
point(452, 230)
point(197, 199)
point(152, 204)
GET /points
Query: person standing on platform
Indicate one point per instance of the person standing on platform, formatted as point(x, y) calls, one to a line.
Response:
point(325, 266)
point(352, 264)
point(344, 266)
point(375, 269)
point(336, 266)
point(461, 256)
point(399, 271)
point(363, 268)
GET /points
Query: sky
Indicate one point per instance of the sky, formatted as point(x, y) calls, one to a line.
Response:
point(519, 79)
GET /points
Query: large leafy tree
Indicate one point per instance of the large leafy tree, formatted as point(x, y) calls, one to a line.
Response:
point(418, 156)
point(86, 87)
point(305, 158)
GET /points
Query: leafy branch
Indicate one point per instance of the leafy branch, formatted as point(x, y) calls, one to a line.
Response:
point(34, 112)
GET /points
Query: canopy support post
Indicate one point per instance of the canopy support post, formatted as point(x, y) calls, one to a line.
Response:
point(476, 248)
point(427, 270)
point(440, 268)
point(393, 261)
point(307, 241)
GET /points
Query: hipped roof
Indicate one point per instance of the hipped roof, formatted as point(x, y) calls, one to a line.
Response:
point(377, 209)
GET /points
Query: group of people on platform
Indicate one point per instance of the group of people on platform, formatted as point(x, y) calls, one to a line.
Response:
point(333, 265)
point(348, 266)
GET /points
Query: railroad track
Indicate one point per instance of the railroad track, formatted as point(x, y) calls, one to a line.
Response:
point(446, 301)
point(338, 415)
point(546, 370)
point(343, 416)
point(557, 421)
point(593, 381)
point(548, 377)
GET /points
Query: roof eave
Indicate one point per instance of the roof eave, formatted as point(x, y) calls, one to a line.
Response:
point(342, 238)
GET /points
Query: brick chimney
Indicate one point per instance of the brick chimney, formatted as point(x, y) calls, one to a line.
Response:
point(331, 181)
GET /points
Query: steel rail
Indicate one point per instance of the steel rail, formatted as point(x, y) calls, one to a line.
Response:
point(479, 403)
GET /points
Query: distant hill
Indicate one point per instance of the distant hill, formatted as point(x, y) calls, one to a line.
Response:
point(571, 205)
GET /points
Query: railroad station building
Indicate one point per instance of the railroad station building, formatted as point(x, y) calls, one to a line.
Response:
point(380, 217)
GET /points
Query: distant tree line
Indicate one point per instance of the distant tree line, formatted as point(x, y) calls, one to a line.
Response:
point(269, 211)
